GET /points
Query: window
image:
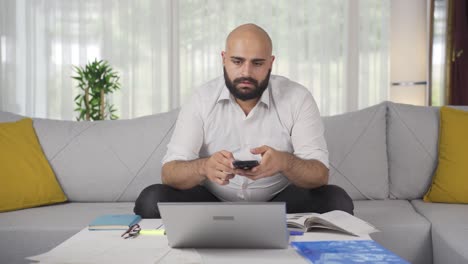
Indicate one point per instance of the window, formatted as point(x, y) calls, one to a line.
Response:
point(165, 49)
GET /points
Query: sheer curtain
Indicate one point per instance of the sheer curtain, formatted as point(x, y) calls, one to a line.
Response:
point(165, 49)
point(44, 38)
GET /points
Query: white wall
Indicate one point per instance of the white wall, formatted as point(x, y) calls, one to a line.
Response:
point(409, 50)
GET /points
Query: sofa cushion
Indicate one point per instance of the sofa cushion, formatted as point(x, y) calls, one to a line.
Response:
point(403, 230)
point(412, 149)
point(449, 231)
point(105, 161)
point(26, 176)
point(66, 216)
point(357, 152)
point(412, 144)
point(117, 159)
point(450, 182)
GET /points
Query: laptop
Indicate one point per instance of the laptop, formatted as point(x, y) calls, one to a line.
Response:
point(225, 225)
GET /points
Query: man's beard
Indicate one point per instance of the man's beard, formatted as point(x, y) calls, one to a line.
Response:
point(256, 92)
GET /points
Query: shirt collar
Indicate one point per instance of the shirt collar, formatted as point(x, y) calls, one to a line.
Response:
point(226, 95)
point(266, 96)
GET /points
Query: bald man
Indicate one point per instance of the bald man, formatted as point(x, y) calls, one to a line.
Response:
point(247, 115)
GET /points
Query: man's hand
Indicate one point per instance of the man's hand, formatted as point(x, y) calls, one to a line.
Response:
point(218, 168)
point(273, 161)
point(303, 173)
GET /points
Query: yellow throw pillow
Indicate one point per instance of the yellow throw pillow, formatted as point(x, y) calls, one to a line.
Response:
point(26, 178)
point(450, 182)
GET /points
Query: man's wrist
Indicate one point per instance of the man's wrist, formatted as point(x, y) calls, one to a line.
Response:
point(287, 159)
point(201, 168)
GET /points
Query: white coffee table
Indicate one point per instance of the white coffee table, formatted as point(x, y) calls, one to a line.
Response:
point(108, 247)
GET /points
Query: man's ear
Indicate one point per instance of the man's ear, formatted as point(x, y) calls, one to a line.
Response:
point(272, 60)
point(223, 55)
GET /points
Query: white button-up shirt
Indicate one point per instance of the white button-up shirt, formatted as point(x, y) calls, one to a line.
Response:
point(285, 118)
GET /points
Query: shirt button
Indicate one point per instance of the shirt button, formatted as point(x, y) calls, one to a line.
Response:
point(244, 186)
point(241, 195)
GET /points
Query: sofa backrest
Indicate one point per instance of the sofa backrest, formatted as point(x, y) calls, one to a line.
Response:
point(412, 133)
point(104, 161)
point(385, 151)
point(357, 152)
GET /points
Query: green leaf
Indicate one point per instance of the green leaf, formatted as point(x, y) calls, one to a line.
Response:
point(82, 114)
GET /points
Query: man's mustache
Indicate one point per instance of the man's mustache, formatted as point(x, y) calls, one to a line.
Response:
point(243, 79)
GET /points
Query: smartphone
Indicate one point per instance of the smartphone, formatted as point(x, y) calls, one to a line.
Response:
point(245, 164)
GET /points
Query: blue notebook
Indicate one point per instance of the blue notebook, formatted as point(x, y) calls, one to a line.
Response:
point(346, 252)
point(114, 222)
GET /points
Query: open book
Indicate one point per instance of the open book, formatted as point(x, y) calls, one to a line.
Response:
point(335, 220)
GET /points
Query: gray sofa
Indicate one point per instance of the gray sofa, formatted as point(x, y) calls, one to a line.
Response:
point(383, 156)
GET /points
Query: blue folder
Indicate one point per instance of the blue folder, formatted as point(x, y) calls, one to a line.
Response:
point(346, 252)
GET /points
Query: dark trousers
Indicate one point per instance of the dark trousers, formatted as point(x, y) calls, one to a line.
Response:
point(298, 200)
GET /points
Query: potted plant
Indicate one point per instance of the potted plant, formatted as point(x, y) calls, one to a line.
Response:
point(96, 81)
